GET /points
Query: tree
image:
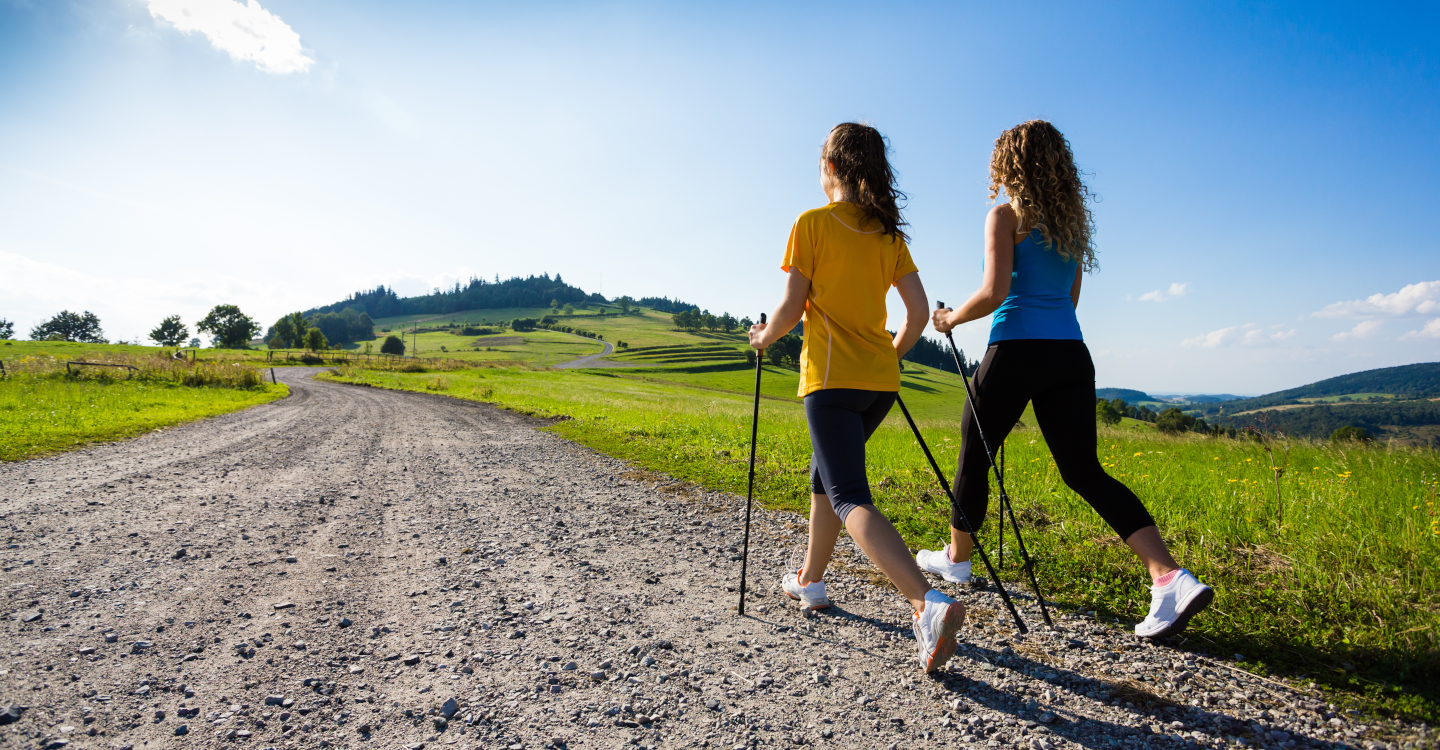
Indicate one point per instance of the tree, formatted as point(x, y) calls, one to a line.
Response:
point(7, 329)
point(170, 332)
point(746, 322)
point(68, 326)
point(393, 345)
point(1350, 434)
point(230, 328)
point(1172, 421)
point(1107, 413)
point(710, 322)
point(625, 303)
point(291, 330)
point(569, 309)
point(315, 340)
point(728, 322)
point(194, 343)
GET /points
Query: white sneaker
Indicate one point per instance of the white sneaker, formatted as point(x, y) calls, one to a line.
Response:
point(812, 595)
point(935, 629)
point(938, 562)
point(1172, 606)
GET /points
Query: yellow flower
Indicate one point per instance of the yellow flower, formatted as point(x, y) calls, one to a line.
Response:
point(1139, 453)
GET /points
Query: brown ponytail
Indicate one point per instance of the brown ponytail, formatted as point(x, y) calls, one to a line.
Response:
point(858, 153)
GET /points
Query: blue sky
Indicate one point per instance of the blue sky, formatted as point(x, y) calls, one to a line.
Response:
point(1266, 171)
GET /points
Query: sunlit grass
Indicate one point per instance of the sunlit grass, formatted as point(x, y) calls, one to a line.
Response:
point(42, 415)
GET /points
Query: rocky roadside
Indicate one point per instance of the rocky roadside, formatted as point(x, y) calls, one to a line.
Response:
point(357, 568)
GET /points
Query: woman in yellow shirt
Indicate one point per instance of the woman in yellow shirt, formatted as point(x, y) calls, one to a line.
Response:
point(840, 263)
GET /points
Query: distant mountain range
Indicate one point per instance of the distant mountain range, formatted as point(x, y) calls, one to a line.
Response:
point(1131, 396)
point(1399, 403)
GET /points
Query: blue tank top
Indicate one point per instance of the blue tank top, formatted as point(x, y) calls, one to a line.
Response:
point(1039, 305)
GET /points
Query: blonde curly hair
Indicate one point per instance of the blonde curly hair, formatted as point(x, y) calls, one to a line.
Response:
point(1033, 164)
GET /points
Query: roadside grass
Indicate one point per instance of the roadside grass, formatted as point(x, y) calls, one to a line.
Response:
point(44, 410)
point(1341, 590)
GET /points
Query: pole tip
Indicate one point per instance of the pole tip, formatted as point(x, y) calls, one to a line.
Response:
point(762, 317)
point(939, 305)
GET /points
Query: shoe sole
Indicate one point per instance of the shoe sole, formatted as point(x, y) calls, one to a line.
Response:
point(826, 605)
point(945, 646)
point(1196, 604)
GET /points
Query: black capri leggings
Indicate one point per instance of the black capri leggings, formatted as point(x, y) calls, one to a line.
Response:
point(1059, 377)
point(841, 420)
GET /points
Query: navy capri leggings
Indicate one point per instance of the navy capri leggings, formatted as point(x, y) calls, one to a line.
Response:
point(841, 420)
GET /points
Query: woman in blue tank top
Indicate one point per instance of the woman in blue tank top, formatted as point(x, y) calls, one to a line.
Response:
point(1037, 248)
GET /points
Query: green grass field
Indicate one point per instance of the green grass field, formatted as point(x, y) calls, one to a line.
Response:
point(1349, 396)
point(1340, 590)
point(43, 410)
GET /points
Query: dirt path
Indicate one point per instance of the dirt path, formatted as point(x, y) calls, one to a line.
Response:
point(593, 360)
point(335, 568)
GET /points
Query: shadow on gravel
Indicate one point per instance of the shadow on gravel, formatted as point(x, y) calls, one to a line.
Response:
point(1083, 730)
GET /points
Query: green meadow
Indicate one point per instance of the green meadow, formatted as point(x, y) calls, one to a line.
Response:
point(1333, 583)
point(45, 410)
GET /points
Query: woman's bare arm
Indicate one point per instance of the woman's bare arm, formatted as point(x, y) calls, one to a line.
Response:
point(1075, 288)
point(1000, 230)
point(786, 314)
point(917, 310)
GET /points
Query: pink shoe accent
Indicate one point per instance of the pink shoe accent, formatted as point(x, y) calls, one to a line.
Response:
point(1167, 578)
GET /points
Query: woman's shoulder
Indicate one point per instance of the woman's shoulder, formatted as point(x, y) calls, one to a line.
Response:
point(1004, 214)
point(815, 214)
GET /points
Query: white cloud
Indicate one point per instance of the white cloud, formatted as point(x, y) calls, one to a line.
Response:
point(1248, 334)
point(1414, 300)
point(128, 307)
point(1362, 330)
point(245, 31)
point(1213, 338)
point(1430, 331)
point(1178, 289)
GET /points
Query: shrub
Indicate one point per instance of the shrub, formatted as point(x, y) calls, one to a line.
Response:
point(1350, 434)
point(1106, 413)
point(393, 345)
point(1173, 421)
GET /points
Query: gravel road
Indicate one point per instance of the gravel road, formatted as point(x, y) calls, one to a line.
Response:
point(362, 568)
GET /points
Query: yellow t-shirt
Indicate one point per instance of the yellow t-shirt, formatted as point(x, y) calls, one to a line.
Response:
point(851, 264)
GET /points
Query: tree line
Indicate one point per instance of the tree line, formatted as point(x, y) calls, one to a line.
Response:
point(477, 294)
point(228, 327)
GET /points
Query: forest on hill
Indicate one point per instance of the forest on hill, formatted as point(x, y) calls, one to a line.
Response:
point(1405, 382)
point(477, 294)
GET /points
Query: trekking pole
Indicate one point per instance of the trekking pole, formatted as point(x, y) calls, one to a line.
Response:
point(1004, 595)
point(750, 493)
point(1028, 564)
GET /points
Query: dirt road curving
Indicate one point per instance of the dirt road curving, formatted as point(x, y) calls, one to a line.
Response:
point(362, 568)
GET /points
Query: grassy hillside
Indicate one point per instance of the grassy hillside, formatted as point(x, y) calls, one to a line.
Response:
point(1409, 382)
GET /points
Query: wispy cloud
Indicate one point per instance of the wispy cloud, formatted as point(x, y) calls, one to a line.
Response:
point(245, 31)
point(1362, 330)
point(1213, 338)
point(1413, 300)
point(1248, 334)
point(1430, 331)
point(1178, 289)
